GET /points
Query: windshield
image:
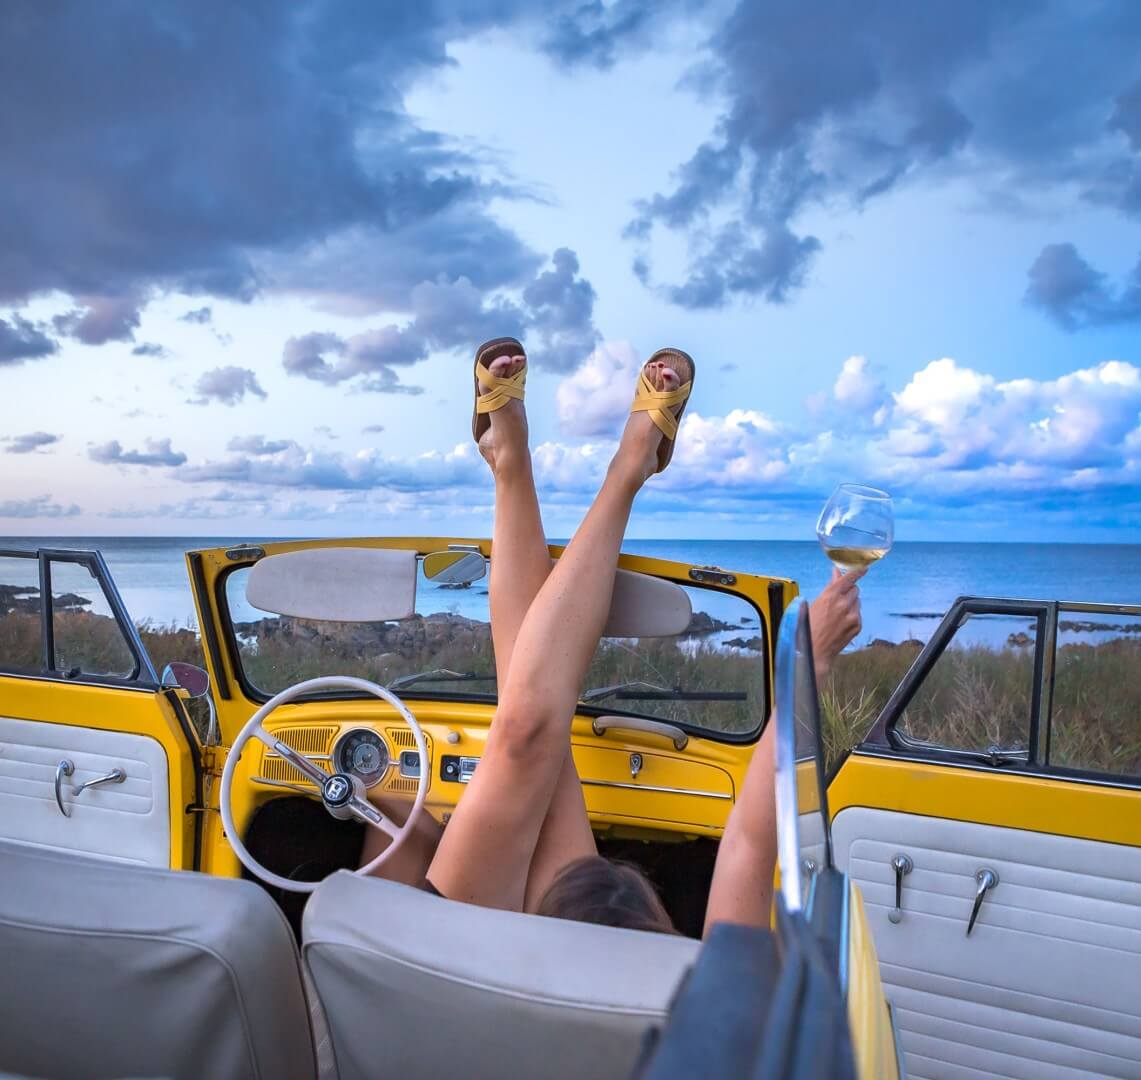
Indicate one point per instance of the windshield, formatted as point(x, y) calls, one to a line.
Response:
point(711, 676)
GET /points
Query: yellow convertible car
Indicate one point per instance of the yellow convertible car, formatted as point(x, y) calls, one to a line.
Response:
point(960, 890)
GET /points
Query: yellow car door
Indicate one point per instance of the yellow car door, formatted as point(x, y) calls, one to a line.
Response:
point(992, 819)
point(96, 757)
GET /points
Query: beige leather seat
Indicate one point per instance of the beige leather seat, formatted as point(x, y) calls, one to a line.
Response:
point(113, 970)
point(415, 986)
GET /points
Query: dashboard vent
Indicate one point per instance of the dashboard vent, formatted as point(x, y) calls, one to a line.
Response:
point(277, 768)
point(402, 738)
point(401, 785)
point(307, 738)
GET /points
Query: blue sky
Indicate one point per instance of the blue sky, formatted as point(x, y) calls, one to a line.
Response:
point(248, 251)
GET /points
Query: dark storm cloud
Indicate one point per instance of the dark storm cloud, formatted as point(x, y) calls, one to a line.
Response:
point(157, 452)
point(555, 319)
point(22, 340)
point(100, 318)
point(227, 385)
point(595, 33)
point(33, 441)
point(202, 316)
point(1073, 293)
point(828, 101)
point(225, 149)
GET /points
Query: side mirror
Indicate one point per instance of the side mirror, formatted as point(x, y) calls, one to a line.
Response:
point(193, 680)
point(457, 569)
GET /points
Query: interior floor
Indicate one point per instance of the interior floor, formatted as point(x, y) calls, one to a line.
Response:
point(295, 837)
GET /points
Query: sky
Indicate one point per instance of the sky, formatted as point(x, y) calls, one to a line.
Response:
point(247, 252)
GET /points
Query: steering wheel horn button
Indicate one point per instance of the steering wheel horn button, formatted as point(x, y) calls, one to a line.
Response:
point(337, 791)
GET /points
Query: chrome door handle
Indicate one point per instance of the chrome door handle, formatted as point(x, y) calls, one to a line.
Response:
point(986, 879)
point(115, 776)
point(64, 768)
point(902, 865)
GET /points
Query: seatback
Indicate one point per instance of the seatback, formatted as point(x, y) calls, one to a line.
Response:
point(417, 986)
point(109, 969)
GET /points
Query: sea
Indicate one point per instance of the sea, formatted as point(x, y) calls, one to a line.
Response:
point(903, 596)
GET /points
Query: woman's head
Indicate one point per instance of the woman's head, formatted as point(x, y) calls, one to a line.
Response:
point(595, 890)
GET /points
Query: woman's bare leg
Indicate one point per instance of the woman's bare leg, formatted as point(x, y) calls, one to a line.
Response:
point(520, 564)
point(486, 853)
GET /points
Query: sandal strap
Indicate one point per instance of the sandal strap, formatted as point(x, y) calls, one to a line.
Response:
point(499, 391)
point(658, 404)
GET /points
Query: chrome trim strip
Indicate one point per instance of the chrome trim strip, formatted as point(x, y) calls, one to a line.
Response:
point(311, 757)
point(298, 786)
point(660, 790)
point(978, 766)
point(845, 936)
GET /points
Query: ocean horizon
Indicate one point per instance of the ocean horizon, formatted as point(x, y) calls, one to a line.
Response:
point(904, 596)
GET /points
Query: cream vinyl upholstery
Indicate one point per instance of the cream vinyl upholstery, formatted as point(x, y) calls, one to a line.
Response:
point(1048, 984)
point(416, 986)
point(112, 970)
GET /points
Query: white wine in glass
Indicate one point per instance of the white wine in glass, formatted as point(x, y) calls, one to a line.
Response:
point(856, 526)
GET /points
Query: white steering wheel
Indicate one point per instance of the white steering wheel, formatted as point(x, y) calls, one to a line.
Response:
point(342, 794)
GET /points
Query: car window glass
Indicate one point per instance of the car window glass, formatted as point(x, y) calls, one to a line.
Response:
point(1096, 719)
point(980, 690)
point(21, 630)
point(88, 639)
point(717, 664)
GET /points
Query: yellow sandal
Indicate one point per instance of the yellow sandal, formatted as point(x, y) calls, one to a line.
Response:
point(499, 391)
point(659, 403)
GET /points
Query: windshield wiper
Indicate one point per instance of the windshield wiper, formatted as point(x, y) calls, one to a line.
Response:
point(644, 691)
point(438, 675)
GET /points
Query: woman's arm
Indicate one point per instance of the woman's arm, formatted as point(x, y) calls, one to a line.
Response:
point(742, 888)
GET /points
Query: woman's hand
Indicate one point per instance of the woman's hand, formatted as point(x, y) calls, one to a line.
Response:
point(835, 619)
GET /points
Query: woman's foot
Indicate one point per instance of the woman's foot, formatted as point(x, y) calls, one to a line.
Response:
point(506, 439)
point(637, 455)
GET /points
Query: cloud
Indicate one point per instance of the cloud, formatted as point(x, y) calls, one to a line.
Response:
point(157, 452)
point(202, 316)
point(595, 399)
point(322, 471)
point(372, 429)
point(27, 444)
point(554, 314)
point(858, 389)
point(22, 340)
point(258, 445)
point(1076, 295)
point(317, 181)
point(227, 385)
point(150, 348)
point(828, 103)
point(372, 355)
point(100, 319)
point(40, 506)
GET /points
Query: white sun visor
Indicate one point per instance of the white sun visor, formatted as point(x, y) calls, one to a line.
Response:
point(644, 606)
point(336, 584)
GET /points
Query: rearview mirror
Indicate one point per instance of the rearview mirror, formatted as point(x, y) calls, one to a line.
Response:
point(187, 677)
point(457, 569)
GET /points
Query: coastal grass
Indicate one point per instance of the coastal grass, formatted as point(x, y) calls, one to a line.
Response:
point(973, 698)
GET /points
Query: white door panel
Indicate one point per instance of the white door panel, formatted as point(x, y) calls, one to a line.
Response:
point(1049, 982)
point(128, 821)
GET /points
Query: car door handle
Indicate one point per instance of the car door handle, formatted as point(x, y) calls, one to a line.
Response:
point(986, 879)
point(64, 768)
point(602, 724)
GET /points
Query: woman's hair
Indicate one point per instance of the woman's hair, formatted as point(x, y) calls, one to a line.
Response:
point(596, 890)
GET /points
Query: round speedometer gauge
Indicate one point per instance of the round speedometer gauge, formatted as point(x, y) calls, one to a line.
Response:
point(363, 753)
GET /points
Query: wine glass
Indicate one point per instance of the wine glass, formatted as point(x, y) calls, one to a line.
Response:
point(856, 526)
